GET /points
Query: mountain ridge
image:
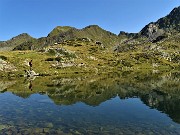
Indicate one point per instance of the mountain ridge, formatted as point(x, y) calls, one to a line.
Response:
point(154, 31)
point(61, 33)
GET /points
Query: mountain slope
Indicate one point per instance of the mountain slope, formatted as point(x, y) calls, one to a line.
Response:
point(164, 27)
point(93, 32)
point(15, 41)
point(171, 22)
point(61, 33)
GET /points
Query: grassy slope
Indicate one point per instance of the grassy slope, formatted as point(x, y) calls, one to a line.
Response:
point(12, 43)
point(94, 58)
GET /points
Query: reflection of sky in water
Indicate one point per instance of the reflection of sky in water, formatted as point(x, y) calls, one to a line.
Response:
point(112, 116)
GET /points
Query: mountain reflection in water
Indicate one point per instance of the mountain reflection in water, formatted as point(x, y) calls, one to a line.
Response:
point(114, 103)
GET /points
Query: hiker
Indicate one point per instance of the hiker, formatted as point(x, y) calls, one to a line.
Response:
point(30, 65)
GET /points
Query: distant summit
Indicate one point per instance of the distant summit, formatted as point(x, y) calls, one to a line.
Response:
point(58, 30)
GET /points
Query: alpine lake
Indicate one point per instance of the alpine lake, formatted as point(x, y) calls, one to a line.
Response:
point(110, 103)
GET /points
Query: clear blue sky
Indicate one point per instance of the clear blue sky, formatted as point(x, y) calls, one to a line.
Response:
point(39, 17)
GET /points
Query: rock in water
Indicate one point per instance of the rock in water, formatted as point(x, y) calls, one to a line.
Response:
point(30, 73)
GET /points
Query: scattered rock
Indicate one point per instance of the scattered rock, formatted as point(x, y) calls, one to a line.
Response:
point(6, 66)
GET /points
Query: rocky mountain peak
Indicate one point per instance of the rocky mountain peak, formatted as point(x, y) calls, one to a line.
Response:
point(166, 25)
point(175, 11)
point(171, 22)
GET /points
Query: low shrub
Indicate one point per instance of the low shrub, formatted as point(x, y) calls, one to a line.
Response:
point(3, 57)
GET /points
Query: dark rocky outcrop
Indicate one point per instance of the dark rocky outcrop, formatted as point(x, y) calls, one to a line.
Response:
point(153, 33)
point(171, 22)
point(168, 25)
point(126, 34)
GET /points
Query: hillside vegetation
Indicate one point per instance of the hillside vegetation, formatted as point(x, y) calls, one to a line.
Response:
point(67, 50)
point(15, 41)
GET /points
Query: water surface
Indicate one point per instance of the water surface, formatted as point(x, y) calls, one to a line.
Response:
point(115, 103)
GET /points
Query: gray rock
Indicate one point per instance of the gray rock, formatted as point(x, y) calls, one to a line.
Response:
point(30, 73)
point(6, 66)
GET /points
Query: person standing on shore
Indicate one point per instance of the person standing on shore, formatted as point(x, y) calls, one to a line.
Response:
point(30, 65)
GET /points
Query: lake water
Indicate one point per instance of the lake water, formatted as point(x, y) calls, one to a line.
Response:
point(115, 103)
